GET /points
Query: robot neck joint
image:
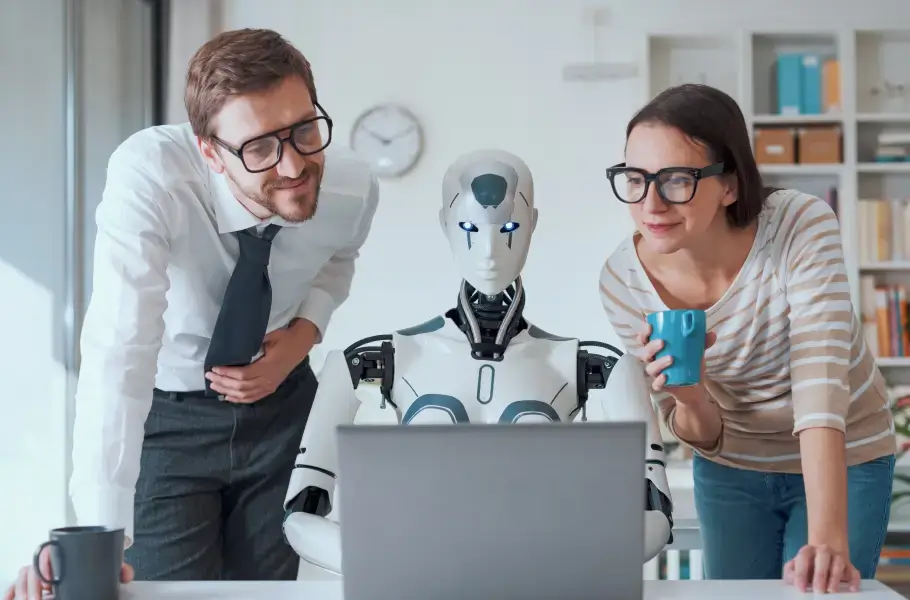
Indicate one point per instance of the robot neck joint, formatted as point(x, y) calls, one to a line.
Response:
point(490, 322)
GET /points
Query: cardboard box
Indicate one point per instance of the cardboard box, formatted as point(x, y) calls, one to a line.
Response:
point(775, 146)
point(820, 145)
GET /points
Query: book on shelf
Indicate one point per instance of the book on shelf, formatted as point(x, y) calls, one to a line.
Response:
point(884, 230)
point(893, 145)
point(893, 569)
point(896, 554)
point(885, 317)
point(807, 84)
point(894, 561)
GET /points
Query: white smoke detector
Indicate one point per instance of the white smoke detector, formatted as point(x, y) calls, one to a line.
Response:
point(597, 69)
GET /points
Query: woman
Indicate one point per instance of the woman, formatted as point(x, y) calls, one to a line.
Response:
point(793, 437)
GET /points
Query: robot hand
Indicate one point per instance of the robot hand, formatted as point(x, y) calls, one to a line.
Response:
point(626, 397)
point(311, 491)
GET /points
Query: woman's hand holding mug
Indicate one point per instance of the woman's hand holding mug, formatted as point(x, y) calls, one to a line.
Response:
point(685, 386)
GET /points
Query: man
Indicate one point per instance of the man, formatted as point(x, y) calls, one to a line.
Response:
point(168, 402)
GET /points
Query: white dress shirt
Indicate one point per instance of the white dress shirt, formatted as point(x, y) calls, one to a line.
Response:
point(164, 253)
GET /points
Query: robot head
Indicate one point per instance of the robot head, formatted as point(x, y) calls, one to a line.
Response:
point(488, 216)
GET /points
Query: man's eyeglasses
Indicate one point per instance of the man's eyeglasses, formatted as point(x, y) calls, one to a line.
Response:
point(676, 185)
point(263, 152)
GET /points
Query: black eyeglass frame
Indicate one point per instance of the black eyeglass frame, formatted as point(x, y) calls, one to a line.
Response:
point(697, 173)
point(238, 152)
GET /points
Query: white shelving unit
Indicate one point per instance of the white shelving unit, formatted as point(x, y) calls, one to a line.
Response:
point(875, 95)
point(874, 90)
point(743, 64)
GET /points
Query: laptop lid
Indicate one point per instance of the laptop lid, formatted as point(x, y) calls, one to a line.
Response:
point(530, 511)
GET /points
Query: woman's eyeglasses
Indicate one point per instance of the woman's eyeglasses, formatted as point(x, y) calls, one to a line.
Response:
point(676, 185)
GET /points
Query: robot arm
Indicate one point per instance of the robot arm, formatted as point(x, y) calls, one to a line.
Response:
point(311, 490)
point(629, 399)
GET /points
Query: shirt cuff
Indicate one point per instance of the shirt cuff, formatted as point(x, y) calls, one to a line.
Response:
point(105, 506)
point(318, 309)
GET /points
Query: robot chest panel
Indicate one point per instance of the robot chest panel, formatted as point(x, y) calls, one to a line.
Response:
point(432, 390)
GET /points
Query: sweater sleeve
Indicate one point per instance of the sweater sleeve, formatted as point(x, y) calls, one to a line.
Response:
point(822, 319)
point(628, 318)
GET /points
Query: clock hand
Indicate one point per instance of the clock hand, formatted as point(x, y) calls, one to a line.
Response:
point(385, 141)
point(408, 130)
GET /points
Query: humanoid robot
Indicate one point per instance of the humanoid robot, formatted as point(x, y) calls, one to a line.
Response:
point(442, 371)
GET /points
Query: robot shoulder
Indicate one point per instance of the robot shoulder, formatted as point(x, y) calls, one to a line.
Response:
point(537, 333)
point(433, 325)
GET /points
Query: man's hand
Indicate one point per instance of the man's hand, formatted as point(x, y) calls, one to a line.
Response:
point(28, 586)
point(283, 349)
point(822, 568)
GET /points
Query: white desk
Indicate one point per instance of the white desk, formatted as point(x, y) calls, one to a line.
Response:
point(331, 590)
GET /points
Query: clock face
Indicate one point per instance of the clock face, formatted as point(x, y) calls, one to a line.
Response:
point(390, 137)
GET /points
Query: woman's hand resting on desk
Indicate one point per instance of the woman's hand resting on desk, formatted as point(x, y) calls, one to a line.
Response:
point(823, 568)
point(28, 586)
point(654, 368)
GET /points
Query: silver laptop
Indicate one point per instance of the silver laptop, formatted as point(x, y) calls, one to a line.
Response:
point(492, 512)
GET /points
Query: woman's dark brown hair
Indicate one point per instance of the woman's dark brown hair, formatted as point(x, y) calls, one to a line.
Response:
point(712, 118)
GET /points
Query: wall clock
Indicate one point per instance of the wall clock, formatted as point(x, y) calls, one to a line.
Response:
point(390, 137)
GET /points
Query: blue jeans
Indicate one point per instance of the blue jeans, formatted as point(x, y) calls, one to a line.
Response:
point(752, 522)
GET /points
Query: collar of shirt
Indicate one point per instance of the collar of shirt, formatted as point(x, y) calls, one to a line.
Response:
point(231, 215)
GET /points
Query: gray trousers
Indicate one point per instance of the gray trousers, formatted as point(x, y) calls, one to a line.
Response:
point(212, 481)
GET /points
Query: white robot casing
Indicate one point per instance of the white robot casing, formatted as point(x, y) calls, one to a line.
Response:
point(481, 362)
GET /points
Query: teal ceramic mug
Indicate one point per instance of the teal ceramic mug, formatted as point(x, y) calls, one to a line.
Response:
point(683, 333)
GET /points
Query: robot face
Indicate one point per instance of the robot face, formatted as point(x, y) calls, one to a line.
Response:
point(488, 216)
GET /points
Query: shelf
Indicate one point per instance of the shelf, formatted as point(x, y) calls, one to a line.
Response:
point(893, 361)
point(885, 117)
point(899, 526)
point(882, 71)
point(749, 65)
point(817, 180)
point(678, 59)
point(885, 267)
point(871, 136)
point(824, 119)
point(884, 168)
point(802, 170)
point(767, 47)
point(883, 181)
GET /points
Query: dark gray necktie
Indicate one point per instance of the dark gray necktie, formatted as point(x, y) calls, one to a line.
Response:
point(244, 315)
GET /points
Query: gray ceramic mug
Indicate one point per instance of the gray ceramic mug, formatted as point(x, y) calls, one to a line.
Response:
point(85, 563)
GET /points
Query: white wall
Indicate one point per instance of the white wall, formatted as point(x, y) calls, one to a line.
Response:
point(487, 73)
point(32, 378)
point(36, 425)
point(192, 23)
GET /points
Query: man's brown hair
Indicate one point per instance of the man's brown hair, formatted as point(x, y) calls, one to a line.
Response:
point(239, 62)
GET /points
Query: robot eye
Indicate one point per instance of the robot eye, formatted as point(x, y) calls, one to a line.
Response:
point(468, 226)
point(509, 227)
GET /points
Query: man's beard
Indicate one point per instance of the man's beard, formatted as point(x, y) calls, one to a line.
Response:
point(300, 207)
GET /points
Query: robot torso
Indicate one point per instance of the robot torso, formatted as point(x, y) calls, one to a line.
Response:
point(437, 381)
